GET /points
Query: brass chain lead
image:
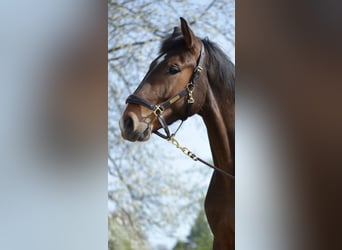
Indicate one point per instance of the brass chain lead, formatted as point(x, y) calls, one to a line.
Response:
point(185, 150)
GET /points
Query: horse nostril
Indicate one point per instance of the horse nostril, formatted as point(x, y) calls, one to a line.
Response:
point(128, 124)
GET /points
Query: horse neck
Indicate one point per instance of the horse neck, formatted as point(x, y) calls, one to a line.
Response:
point(218, 116)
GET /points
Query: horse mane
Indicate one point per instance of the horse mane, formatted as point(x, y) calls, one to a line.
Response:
point(221, 71)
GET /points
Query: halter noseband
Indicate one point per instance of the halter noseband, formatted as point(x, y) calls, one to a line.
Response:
point(158, 109)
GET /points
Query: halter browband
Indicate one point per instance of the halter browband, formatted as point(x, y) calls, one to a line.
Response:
point(158, 109)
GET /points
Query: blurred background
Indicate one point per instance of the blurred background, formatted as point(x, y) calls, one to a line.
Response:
point(156, 193)
point(288, 124)
point(53, 129)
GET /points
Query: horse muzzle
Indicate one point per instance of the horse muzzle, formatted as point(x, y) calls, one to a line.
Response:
point(134, 130)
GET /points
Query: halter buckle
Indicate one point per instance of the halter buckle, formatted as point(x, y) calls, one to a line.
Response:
point(158, 110)
point(191, 99)
point(190, 88)
point(198, 69)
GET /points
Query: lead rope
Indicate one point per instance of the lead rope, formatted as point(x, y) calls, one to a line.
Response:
point(193, 156)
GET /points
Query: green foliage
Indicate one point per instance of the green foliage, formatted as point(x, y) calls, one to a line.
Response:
point(181, 245)
point(200, 237)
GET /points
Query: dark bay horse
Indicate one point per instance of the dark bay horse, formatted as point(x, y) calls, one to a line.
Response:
point(192, 76)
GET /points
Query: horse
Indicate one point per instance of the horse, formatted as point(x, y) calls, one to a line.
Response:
point(192, 76)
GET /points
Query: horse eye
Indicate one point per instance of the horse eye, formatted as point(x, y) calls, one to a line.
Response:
point(173, 70)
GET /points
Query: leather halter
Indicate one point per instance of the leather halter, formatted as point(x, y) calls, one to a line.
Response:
point(158, 109)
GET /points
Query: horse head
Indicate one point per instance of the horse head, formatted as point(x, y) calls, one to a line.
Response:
point(171, 90)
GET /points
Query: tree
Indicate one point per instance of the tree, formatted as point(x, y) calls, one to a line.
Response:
point(200, 237)
point(121, 237)
point(181, 245)
point(147, 188)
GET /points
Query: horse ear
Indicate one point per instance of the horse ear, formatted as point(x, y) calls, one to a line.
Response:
point(188, 34)
point(176, 31)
